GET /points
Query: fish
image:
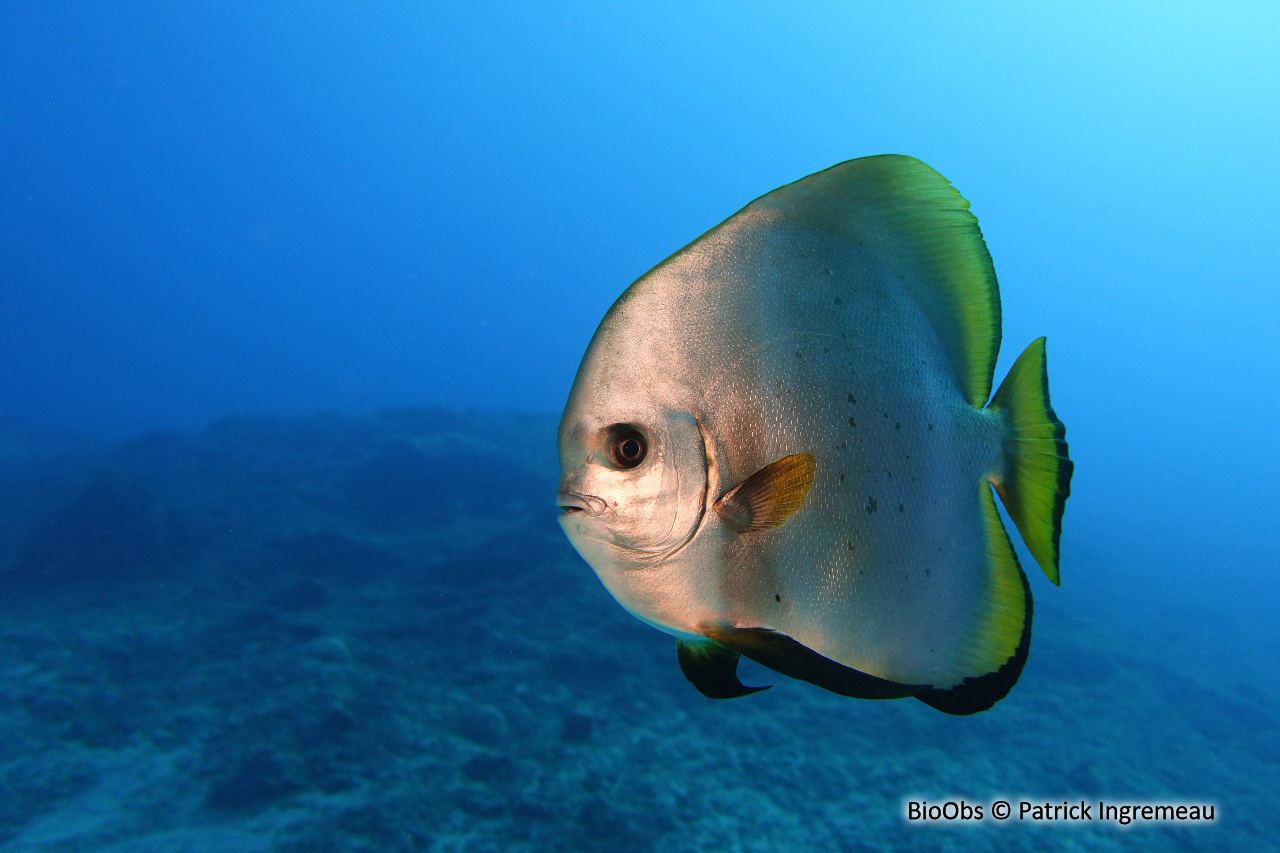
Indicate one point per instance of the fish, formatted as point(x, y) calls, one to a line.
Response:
point(781, 443)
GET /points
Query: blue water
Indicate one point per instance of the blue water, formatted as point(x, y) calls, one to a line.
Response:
point(233, 623)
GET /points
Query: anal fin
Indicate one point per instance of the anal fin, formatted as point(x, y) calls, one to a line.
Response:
point(712, 668)
point(1002, 640)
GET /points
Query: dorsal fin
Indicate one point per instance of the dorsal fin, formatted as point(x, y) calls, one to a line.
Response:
point(916, 216)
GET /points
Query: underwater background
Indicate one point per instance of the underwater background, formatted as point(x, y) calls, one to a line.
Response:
point(291, 296)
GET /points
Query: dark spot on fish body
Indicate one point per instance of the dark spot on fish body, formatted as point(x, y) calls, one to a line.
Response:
point(851, 400)
point(930, 427)
point(898, 425)
point(871, 504)
point(852, 422)
point(901, 508)
point(798, 355)
point(927, 572)
point(842, 473)
point(777, 598)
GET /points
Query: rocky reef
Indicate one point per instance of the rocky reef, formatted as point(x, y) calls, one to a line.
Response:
point(368, 634)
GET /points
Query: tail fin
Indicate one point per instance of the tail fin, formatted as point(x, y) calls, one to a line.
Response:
point(1036, 473)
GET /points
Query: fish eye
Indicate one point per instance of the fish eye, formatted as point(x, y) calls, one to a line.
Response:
point(627, 447)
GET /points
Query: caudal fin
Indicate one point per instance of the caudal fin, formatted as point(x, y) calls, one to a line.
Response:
point(1035, 478)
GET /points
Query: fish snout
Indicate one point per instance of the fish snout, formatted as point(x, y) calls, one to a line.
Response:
point(589, 505)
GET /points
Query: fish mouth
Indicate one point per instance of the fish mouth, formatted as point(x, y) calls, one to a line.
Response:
point(573, 502)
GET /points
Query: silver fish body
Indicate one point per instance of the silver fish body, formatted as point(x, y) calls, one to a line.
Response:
point(775, 336)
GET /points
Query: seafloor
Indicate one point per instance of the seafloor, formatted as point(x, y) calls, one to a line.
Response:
point(338, 634)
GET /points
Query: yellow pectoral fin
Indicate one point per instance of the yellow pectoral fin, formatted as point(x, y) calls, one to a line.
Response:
point(770, 496)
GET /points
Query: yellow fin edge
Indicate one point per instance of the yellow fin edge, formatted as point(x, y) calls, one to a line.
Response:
point(999, 630)
point(929, 224)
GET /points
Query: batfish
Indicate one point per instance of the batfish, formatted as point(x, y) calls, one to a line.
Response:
point(781, 443)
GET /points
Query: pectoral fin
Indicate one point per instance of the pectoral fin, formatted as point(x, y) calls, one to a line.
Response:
point(712, 669)
point(770, 496)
